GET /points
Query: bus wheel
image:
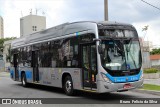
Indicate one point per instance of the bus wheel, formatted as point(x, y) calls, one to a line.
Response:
point(68, 86)
point(24, 81)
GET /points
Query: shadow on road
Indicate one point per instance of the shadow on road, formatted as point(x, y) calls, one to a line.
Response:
point(82, 94)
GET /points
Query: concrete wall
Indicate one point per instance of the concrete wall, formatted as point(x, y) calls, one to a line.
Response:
point(146, 60)
point(2, 66)
point(155, 62)
point(151, 76)
point(5, 53)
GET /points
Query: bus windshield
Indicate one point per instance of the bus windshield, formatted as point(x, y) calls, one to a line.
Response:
point(118, 33)
point(121, 54)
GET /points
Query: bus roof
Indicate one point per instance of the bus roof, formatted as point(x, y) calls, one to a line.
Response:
point(59, 32)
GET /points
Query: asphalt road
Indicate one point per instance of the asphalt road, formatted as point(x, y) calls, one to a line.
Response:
point(13, 89)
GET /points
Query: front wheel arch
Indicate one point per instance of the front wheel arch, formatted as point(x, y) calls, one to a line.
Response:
point(68, 85)
point(24, 79)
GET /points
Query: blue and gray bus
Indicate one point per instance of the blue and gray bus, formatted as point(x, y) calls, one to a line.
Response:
point(90, 56)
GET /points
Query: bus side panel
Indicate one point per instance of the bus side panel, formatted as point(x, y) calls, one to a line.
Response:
point(13, 74)
point(53, 76)
point(45, 76)
point(29, 73)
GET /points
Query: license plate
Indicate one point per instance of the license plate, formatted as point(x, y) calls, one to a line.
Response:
point(127, 86)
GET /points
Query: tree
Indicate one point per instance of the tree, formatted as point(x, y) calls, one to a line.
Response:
point(8, 56)
point(155, 51)
point(2, 47)
point(3, 40)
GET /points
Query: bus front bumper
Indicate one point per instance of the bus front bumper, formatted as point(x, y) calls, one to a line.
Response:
point(118, 87)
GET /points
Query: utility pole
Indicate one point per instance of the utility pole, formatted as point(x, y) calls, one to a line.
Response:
point(106, 10)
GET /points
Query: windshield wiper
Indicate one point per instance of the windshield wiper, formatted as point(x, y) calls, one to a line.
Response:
point(128, 51)
point(115, 44)
point(127, 48)
point(133, 60)
point(129, 44)
point(120, 49)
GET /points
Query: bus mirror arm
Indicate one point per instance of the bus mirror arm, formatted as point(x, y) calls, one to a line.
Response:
point(94, 39)
point(100, 50)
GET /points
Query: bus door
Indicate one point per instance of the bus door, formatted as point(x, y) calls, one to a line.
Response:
point(15, 60)
point(89, 66)
point(35, 66)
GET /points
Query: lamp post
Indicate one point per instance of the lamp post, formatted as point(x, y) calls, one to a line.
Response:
point(106, 10)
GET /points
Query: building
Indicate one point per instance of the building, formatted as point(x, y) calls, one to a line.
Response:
point(156, 46)
point(147, 45)
point(1, 28)
point(31, 24)
point(155, 60)
point(6, 50)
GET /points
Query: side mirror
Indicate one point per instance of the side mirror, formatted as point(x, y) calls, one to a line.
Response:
point(100, 49)
point(1, 56)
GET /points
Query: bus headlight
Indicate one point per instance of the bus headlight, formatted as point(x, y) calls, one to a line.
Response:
point(141, 77)
point(105, 78)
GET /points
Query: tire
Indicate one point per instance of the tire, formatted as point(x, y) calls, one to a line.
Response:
point(68, 86)
point(24, 81)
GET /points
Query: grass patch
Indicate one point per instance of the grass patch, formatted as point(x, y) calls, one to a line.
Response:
point(151, 87)
point(151, 70)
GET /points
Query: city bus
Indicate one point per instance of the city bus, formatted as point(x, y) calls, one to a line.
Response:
point(89, 56)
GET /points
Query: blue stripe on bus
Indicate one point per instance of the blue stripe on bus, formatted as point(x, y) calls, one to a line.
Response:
point(19, 74)
point(28, 75)
point(124, 78)
point(11, 73)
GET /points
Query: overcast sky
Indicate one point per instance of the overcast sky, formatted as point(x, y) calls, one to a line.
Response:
point(57, 12)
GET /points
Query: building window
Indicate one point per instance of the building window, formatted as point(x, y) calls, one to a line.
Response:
point(34, 28)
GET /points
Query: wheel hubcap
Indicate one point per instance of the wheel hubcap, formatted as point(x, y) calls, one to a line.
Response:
point(68, 86)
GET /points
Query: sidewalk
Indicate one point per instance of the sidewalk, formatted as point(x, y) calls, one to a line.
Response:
point(152, 81)
point(4, 74)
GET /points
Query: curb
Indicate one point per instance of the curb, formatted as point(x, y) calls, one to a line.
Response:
point(2, 74)
point(147, 91)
